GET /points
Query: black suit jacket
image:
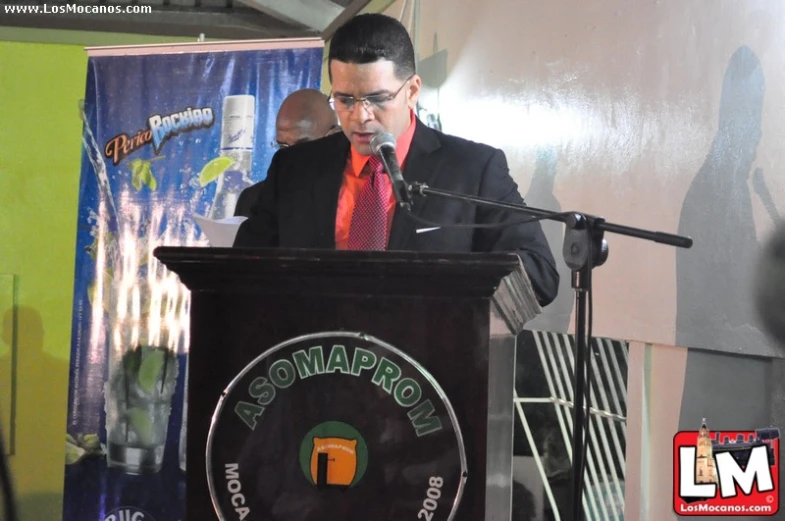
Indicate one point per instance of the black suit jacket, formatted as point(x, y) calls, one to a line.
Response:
point(247, 199)
point(297, 203)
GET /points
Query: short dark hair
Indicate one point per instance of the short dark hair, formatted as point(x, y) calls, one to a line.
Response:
point(367, 38)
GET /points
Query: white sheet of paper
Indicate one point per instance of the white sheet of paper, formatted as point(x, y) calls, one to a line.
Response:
point(221, 232)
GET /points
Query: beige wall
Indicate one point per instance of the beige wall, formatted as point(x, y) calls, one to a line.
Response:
point(651, 114)
point(655, 392)
point(627, 95)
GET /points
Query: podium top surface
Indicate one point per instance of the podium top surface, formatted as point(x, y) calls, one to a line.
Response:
point(358, 272)
point(265, 271)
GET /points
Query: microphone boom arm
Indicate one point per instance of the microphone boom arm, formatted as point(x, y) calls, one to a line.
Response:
point(584, 249)
point(678, 241)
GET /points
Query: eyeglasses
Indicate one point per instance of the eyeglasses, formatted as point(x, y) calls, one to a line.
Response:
point(347, 103)
point(277, 146)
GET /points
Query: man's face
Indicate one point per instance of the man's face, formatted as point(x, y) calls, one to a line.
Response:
point(388, 100)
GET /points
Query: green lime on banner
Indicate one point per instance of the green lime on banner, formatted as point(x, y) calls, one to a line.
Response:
point(213, 169)
point(347, 453)
point(150, 369)
point(142, 424)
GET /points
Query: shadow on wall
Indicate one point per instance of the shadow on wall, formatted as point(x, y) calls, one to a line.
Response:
point(714, 278)
point(40, 507)
point(39, 457)
point(531, 371)
point(556, 316)
point(433, 72)
point(8, 358)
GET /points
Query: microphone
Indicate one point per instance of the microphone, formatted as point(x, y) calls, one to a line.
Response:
point(383, 146)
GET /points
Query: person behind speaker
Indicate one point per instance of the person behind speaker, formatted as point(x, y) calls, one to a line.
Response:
point(324, 194)
point(304, 115)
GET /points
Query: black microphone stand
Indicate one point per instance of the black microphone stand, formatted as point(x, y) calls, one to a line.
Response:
point(584, 249)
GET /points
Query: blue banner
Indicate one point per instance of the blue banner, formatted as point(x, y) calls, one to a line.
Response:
point(166, 137)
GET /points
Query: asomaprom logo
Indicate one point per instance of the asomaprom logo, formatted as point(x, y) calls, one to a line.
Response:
point(336, 459)
point(160, 129)
point(729, 473)
point(338, 425)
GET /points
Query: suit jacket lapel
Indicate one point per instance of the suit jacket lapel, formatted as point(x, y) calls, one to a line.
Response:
point(422, 166)
point(326, 187)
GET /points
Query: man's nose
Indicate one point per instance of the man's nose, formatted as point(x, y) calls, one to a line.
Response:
point(362, 111)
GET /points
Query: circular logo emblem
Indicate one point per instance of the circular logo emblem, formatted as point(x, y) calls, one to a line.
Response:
point(335, 424)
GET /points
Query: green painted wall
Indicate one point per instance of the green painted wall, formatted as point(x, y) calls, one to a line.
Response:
point(40, 129)
point(40, 153)
point(83, 39)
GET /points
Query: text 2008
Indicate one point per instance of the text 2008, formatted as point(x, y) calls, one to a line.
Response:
point(434, 493)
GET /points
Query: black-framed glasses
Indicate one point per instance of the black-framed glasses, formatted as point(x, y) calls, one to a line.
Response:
point(276, 145)
point(343, 103)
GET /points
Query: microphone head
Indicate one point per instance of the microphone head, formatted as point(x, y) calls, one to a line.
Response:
point(380, 140)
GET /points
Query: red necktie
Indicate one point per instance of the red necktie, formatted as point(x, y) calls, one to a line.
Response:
point(368, 229)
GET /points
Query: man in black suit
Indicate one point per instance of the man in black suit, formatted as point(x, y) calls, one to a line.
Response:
point(326, 193)
point(304, 115)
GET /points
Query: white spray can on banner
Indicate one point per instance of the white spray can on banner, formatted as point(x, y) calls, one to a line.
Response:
point(238, 124)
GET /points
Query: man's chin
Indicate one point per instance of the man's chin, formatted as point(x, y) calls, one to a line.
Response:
point(362, 148)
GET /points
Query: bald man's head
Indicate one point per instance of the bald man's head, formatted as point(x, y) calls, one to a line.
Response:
point(304, 115)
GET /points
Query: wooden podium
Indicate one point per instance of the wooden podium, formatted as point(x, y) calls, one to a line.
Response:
point(431, 441)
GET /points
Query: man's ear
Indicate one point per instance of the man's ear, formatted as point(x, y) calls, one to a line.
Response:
point(413, 91)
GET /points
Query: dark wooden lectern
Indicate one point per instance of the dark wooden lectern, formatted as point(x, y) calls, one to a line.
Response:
point(456, 315)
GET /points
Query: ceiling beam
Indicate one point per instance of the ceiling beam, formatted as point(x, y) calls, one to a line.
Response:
point(215, 23)
point(353, 9)
point(316, 14)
